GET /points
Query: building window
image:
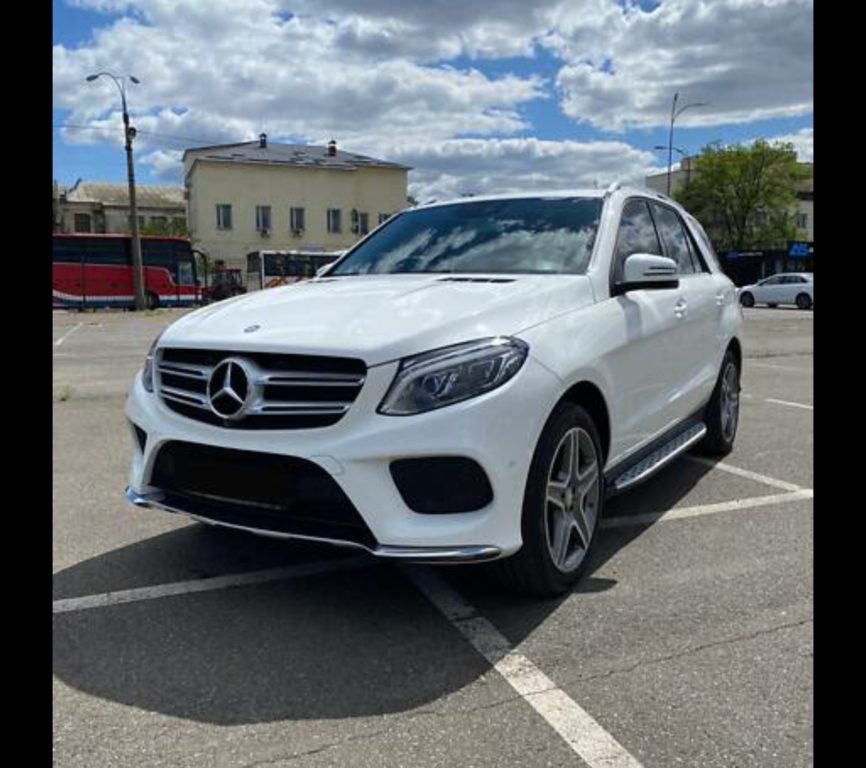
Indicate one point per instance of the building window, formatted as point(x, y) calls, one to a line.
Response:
point(263, 217)
point(82, 222)
point(334, 220)
point(383, 217)
point(158, 221)
point(802, 220)
point(296, 218)
point(364, 223)
point(224, 216)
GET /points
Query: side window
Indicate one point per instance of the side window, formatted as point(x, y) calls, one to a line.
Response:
point(703, 248)
point(636, 234)
point(674, 237)
point(771, 281)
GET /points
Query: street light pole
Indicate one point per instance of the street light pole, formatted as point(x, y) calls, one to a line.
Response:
point(129, 135)
point(682, 153)
point(675, 113)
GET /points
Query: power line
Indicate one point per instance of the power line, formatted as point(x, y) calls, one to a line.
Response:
point(142, 132)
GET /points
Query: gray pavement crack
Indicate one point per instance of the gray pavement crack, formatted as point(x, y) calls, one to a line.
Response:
point(688, 652)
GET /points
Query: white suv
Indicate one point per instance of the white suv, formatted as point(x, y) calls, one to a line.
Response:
point(465, 384)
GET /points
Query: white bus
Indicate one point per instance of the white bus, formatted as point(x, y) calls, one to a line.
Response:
point(268, 269)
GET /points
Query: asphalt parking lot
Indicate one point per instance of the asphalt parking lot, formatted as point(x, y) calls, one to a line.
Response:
point(688, 643)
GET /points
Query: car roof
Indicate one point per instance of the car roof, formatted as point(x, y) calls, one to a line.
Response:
point(790, 274)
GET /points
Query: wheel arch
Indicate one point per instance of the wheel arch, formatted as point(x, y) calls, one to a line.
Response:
point(590, 397)
point(737, 348)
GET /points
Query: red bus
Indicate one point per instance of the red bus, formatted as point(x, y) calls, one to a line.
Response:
point(96, 271)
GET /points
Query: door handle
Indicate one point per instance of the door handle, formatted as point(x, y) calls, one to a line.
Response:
point(721, 298)
point(680, 308)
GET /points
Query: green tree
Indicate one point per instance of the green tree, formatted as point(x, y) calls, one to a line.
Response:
point(170, 228)
point(745, 196)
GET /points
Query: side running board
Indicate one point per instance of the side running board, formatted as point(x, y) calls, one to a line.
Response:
point(653, 462)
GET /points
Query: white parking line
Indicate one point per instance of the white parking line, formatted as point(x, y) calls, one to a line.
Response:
point(68, 333)
point(771, 481)
point(594, 745)
point(788, 402)
point(627, 521)
point(206, 585)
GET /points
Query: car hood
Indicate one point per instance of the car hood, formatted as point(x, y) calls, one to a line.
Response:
point(379, 318)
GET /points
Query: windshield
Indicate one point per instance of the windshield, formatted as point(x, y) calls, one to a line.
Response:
point(494, 236)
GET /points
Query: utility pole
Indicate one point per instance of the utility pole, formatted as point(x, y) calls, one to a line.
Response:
point(128, 136)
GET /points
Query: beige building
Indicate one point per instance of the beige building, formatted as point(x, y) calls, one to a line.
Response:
point(265, 196)
point(98, 207)
point(803, 216)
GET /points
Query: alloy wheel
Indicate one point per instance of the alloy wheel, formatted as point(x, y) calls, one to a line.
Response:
point(572, 499)
point(730, 401)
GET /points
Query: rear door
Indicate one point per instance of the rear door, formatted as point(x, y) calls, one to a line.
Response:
point(770, 291)
point(695, 335)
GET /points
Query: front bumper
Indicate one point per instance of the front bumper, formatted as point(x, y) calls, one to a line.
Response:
point(432, 555)
point(498, 430)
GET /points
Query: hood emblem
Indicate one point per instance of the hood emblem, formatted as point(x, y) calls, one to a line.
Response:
point(252, 328)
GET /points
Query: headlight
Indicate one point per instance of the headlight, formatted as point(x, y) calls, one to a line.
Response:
point(451, 374)
point(147, 372)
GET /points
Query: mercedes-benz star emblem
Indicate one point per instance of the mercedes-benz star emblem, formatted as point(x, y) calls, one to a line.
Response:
point(229, 389)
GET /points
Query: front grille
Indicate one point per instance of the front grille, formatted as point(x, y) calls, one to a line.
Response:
point(290, 391)
point(283, 494)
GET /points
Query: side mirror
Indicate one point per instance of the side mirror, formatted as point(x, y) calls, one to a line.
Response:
point(647, 271)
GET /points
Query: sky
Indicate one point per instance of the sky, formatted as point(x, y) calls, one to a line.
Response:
point(476, 96)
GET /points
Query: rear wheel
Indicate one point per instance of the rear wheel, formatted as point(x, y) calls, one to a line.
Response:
point(772, 306)
point(151, 300)
point(747, 300)
point(722, 414)
point(561, 506)
point(804, 301)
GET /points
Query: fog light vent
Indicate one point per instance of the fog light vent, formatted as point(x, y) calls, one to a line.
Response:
point(439, 485)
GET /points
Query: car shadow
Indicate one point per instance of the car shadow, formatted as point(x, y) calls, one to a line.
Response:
point(343, 644)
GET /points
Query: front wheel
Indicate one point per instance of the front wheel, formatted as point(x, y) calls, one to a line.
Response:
point(722, 415)
point(804, 301)
point(747, 300)
point(561, 506)
point(151, 300)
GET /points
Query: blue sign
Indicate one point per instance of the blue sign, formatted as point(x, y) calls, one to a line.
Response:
point(800, 250)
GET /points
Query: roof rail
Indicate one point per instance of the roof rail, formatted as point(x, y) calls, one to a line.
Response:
point(613, 187)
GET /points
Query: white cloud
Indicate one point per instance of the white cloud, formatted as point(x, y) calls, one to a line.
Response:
point(802, 141)
point(375, 75)
point(478, 166)
point(749, 59)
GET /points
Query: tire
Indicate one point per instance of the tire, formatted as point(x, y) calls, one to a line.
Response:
point(722, 414)
point(772, 306)
point(747, 300)
point(804, 301)
point(572, 520)
point(151, 300)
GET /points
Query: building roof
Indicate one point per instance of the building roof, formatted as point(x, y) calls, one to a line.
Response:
point(146, 196)
point(302, 155)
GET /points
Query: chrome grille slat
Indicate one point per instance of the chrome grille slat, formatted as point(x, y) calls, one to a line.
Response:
point(289, 391)
point(306, 378)
point(299, 407)
point(182, 396)
point(187, 371)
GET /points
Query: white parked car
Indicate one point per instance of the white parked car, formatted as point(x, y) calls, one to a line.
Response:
point(786, 288)
point(467, 383)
